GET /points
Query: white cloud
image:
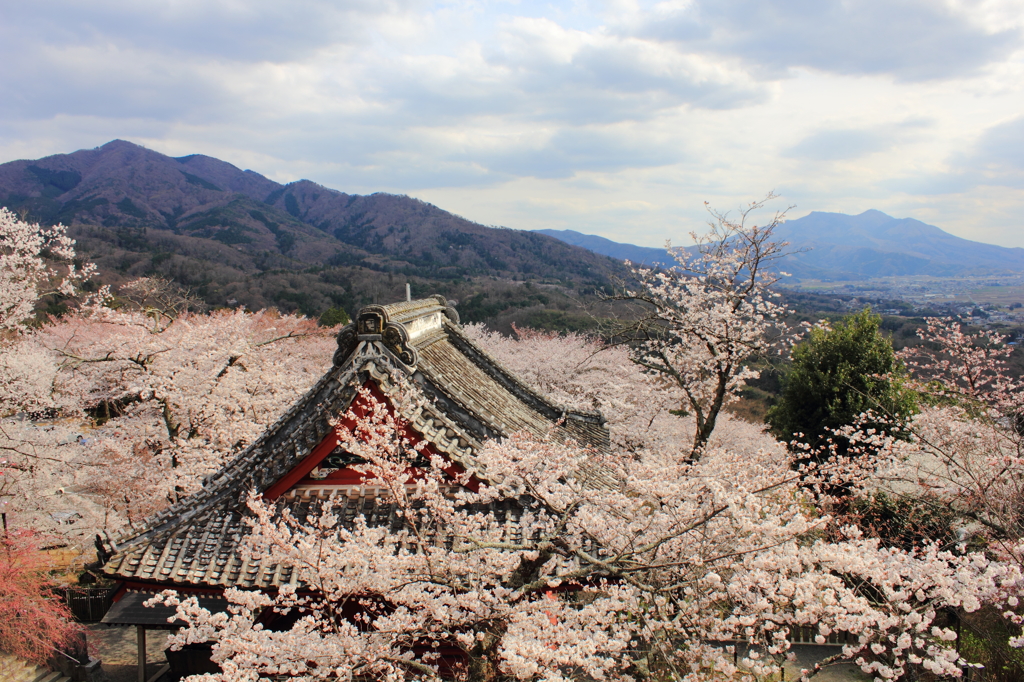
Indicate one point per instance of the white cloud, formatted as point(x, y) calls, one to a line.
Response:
point(854, 143)
point(908, 39)
point(612, 116)
point(1001, 149)
point(249, 30)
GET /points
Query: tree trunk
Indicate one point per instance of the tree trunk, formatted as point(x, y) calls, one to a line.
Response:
point(705, 429)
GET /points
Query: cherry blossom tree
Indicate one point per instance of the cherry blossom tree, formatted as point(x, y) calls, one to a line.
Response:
point(583, 372)
point(107, 415)
point(182, 397)
point(34, 262)
point(705, 319)
point(954, 478)
point(570, 564)
point(966, 368)
point(965, 451)
point(146, 400)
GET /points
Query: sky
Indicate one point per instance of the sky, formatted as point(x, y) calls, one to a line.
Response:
point(619, 118)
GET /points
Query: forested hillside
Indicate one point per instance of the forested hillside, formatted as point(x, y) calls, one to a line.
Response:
point(235, 237)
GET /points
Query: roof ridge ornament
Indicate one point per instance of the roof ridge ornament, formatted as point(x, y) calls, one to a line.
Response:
point(394, 325)
point(374, 324)
point(348, 340)
point(449, 308)
point(396, 339)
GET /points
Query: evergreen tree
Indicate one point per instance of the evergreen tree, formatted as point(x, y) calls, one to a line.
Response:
point(837, 375)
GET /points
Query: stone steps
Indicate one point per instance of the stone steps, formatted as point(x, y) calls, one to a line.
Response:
point(16, 670)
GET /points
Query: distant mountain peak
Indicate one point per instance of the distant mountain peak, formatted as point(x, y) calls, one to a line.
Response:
point(874, 244)
point(118, 143)
point(837, 246)
point(872, 213)
point(124, 146)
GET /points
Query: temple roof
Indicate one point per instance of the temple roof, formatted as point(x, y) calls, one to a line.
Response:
point(470, 398)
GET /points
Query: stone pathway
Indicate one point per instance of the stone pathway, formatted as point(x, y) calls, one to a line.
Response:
point(117, 648)
point(808, 654)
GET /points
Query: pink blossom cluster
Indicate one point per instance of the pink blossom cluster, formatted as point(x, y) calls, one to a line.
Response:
point(571, 564)
point(117, 409)
point(654, 560)
point(963, 453)
point(34, 262)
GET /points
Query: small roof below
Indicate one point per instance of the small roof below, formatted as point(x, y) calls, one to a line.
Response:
point(129, 610)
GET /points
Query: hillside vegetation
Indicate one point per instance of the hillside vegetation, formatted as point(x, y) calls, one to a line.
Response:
point(235, 237)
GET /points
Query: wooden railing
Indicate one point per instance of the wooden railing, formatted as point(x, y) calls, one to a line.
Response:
point(808, 635)
point(87, 604)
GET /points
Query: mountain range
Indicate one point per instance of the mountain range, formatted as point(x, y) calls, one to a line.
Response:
point(236, 237)
point(837, 247)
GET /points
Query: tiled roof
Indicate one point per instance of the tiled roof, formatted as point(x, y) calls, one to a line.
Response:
point(471, 398)
point(130, 609)
point(205, 554)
